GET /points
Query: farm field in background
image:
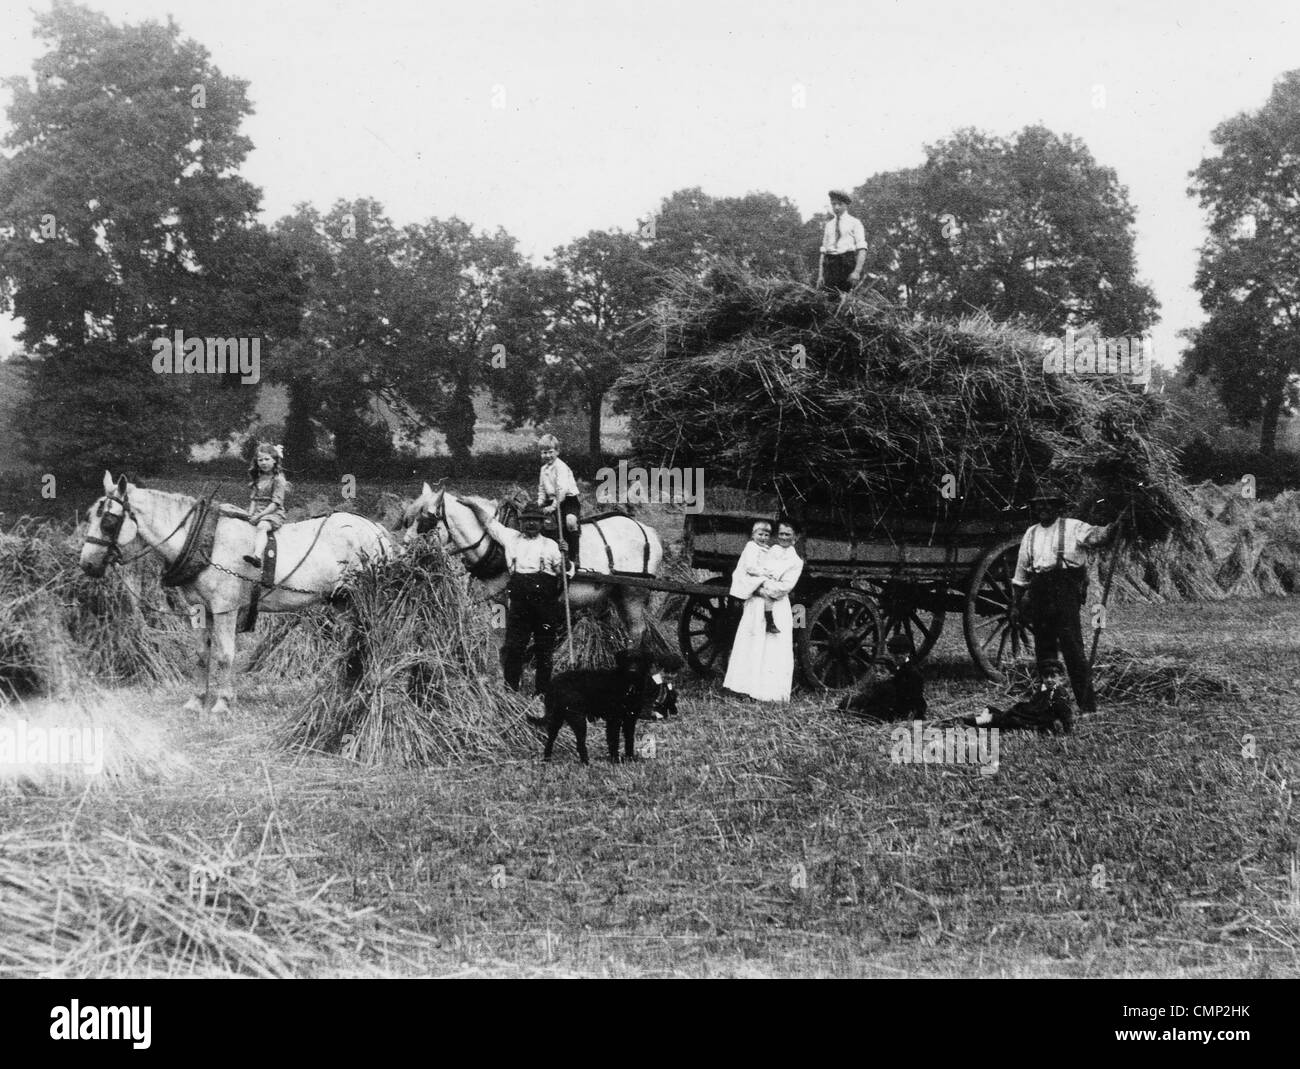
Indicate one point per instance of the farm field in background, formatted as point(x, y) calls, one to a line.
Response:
point(1144, 844)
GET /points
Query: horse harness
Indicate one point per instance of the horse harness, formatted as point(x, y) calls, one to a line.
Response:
point(609, 550)
point(196, 554)
point(110, 523)
point(493, 561)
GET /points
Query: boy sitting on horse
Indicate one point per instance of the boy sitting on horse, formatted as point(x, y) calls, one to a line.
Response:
point(557, 491)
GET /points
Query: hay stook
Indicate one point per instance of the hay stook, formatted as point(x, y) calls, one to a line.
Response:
point(415, 679)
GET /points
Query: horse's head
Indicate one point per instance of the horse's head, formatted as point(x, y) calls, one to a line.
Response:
point(112, 525)
point(460, 523)
point(423, 514)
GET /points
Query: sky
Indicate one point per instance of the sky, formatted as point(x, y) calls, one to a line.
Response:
point(553, 119)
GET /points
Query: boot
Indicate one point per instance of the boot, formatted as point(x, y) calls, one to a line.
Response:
point(259, 546)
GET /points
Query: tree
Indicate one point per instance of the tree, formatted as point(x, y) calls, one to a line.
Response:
point(1249, 272)
point(345, 356)
point(761, 231)
point(574, 326)
point(524, 328)
point(394, 319)
point(1029, 227)
point(122, 220)
point(453, 282)
point(571, 327)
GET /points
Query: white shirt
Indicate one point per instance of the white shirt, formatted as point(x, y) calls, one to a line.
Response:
point(526, 556)
point(852, 236)
point(1038, 549)
point(556, 482)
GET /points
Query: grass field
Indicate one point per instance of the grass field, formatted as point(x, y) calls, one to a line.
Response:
point(759, 841)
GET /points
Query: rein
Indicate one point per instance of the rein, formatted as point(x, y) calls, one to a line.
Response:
point(112, 524)
point(491, 563)
point(114, 554)
point(440, 517)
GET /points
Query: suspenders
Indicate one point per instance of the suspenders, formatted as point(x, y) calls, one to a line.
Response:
point(1060, 551)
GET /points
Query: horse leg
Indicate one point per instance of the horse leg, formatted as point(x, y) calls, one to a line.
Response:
point(634, 610)
point(202, 679)
point(223, 659)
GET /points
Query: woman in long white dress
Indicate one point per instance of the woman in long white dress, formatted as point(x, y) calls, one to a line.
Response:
point(762, 664)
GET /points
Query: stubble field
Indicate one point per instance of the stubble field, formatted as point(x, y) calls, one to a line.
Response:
point(1159, 839)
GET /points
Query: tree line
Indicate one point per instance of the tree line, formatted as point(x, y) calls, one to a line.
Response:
point(123, 218)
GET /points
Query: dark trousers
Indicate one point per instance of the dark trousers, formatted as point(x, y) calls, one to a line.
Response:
point(836, 268)
point(533, 614)
point(570, 506)
point(1055, 599)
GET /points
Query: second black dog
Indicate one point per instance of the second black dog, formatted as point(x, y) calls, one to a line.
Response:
point(617, 695)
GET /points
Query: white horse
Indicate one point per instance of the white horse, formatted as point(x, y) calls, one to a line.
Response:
point(608, 544)
point(313, 559)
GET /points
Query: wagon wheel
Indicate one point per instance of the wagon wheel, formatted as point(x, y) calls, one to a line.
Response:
point(707, 628)
point(906, 610)
point(988, 617)
point(841, 638)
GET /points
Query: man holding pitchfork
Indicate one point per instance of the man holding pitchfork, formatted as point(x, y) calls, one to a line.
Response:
point(1053, 567)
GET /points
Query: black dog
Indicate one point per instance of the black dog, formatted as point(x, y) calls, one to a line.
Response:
point(901, 696)
point(618, 695)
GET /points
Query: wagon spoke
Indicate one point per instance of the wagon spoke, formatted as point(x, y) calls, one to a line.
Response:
point(840, 638)
point(997, 631)
point(705, 629)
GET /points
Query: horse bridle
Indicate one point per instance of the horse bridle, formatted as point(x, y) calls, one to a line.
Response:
point(440, 517)
point(110, 523)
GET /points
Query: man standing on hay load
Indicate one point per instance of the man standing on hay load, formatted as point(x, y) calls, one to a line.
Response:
point(1053, 565)
point(534, 610)
point(844, 247)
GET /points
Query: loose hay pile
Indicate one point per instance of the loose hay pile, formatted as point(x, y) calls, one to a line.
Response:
point(415, 678)
point(774, 385)
point(112, 905)
point(1121, 677)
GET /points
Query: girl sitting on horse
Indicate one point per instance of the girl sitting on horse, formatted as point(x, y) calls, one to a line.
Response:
point(268, 487)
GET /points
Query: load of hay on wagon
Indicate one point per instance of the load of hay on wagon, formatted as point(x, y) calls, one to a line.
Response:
point(775, 386)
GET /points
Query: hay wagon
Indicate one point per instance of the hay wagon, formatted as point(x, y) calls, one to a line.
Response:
point(865, 578)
